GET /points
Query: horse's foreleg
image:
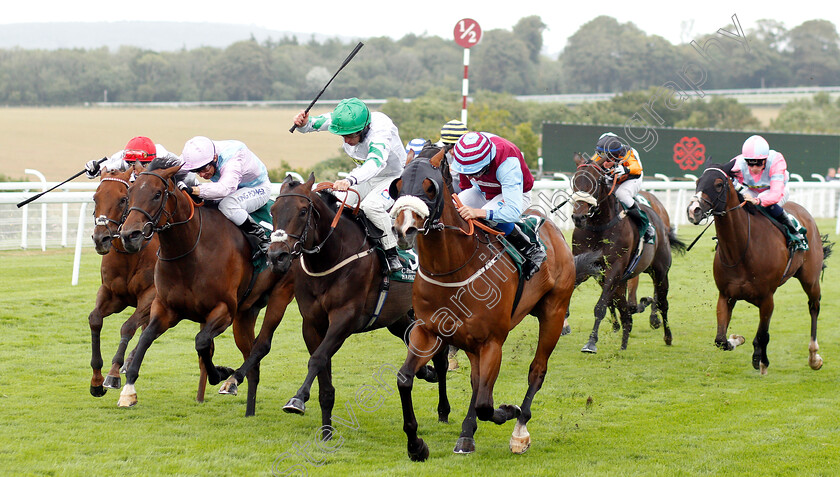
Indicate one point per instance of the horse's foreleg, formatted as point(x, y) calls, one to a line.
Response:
point(421, 347)
point(161, 320)
point(95, 322)
point(762, 335)
point(549, 332)
point(127, 330)
point(441, 362)
point(342, 325)
point(725, 305)
point(815, 361)
point(466, 441)
point(326, 398)
point(661, 285)
point(600, 311)
point(217, 322)
point(243, 335)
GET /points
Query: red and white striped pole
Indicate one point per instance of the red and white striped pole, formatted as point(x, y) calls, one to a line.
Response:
point(467, 35)
point(465, 88)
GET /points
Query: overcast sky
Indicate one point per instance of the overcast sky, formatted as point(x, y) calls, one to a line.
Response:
point(675, 21)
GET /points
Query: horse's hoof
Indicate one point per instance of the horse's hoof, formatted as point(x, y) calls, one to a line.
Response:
point(816, 363)
point(229, 387)
point(567, 329)
point(97, 391)
point(112, 382)
point(124, 367)
point(655, 323)
point(453, 364)
point(127, 400)
point(589, 348)
point(295, 406)
point(420, 452)
point(520, 444)
point(762, 369)
point(465, 445)
point(736, 340)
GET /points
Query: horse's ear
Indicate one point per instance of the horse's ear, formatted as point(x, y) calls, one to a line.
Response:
point(395, 188)
point(432, 190)
point(409, 157)
point(170, 171)
point(310, 182)
point(437, 158)
point(578, 158)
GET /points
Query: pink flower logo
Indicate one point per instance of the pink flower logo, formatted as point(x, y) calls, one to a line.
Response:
point(689, 153)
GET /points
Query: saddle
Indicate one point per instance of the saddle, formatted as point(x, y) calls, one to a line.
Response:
point(793, 243)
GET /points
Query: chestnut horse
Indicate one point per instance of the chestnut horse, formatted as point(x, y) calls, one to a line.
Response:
point(600, 226)
point(127, 278)
point(469, 294)
point(338, 278)
point(752, 260)
point(204, 273)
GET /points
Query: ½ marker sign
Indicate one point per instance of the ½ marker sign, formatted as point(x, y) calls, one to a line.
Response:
point(467, 33)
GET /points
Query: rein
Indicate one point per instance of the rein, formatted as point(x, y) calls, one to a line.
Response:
point(297, 250)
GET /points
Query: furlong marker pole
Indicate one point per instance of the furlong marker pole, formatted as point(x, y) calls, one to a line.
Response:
point(349, 57)
point(465, 88)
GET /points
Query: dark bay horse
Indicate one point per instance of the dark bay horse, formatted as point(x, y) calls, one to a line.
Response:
point(752, 260)
point(468, 293)
point(600, 226)
point(127, 278)
point(204, 274)
point(337, 276)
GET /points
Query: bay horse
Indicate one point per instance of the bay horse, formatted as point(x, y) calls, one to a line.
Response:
point(601, 226)
point(127, 278)
point(469, 294)
point(338, 279)
point(752, 260)
point(204, 274)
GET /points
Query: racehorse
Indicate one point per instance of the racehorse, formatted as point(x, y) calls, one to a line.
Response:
point(752, 260)
point(600, 227)
point(468, 293)
point(338, 284)
point(204, 273)
point(127, 278)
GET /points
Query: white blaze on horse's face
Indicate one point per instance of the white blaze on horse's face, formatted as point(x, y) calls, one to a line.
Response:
point(693, 205)
point(279, 235)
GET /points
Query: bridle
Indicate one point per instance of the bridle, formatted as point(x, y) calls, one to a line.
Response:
point(717, 207)
point(104, 220)
point(150, 227)
point(592, 198)
point(298, 248)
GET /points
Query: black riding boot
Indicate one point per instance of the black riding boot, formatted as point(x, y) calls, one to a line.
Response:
point(257, 239)
point(393, 260)
point(533, 252)
point(636, 214)
point(785, 220)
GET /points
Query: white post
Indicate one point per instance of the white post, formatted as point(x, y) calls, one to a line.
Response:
point(77, 257)
point(465, 85)
point(64, 224)
point(43, 207)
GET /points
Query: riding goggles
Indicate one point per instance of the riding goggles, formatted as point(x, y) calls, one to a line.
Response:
point(755, 162)
point(132, 155)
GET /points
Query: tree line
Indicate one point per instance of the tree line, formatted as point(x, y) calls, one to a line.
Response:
point(604, 55)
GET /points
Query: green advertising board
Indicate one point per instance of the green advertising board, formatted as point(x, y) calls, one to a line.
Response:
point(676, 152)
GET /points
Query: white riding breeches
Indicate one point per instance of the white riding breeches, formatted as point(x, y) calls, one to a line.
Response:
point(627, 190)
point(376, 201)
point(238, 205)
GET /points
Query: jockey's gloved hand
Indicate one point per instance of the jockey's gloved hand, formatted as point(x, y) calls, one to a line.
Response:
point(619, 171)
point(92, 168)
point(184, 187)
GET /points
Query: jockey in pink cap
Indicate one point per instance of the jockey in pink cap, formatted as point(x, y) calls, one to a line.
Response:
point(496, 185)
point(763, 173)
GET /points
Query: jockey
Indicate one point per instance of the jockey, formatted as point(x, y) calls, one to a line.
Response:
point(139, 149)
point(415, 145)
point(449, 135)
point(764, 173)
point(238, 179)
point(373, 142)
point(496, 185)
point(625, 168)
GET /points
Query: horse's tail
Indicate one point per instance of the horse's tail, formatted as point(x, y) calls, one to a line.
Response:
point(677, 245)
point(827, 249)
point(586, 265)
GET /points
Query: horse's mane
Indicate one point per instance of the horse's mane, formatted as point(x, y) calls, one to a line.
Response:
point(330, 200)
point(159, 163)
